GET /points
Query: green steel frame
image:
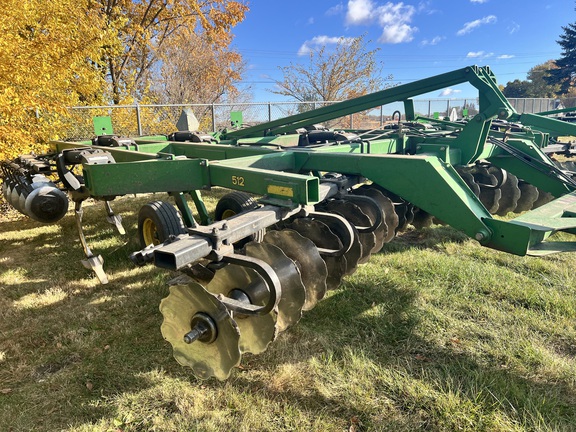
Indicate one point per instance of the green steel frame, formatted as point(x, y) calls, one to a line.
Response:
point(419, 167)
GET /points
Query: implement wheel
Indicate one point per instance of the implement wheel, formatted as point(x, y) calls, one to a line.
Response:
point(157, 221)
point(235, 203)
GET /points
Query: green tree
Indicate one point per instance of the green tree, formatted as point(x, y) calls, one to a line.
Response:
point(538, 78)
point(516, 89)
point(536, 85)
point(565, 74)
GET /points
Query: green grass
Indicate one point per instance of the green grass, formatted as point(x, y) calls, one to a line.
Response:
point(435, 333)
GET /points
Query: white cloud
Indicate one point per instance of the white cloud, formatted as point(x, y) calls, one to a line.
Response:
point(513, 28)
point(469, 26)
point(434, 41)
point(335, 10)
point(393, 18)
point(359, 12)
point(310, 21)
point(479, 1)
point(506, 56)
point(479, 54)
point(319, 41)
point(449, 92)
point(397, 33)
point(425, 7)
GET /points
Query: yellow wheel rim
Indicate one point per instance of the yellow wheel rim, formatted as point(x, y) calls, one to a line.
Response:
point(149, 232)
point(228, 214)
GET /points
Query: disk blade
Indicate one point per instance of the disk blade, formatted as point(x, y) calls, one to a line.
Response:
point(306, 256)
point(324, 238)
point(206, 359)
point(293, 291)
point(256, 331)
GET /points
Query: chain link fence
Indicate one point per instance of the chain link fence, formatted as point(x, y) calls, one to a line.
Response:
point(132, 120)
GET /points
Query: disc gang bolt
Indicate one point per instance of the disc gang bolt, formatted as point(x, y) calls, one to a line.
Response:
point(203, 329)
point(195, 334)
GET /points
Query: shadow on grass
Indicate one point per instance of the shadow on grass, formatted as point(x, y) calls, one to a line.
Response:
point(97, 342)
point(389, 339)
point(65, 340)
point(425, 238)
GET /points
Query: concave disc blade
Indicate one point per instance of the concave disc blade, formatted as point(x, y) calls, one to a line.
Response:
point(386, 205)
point(469, 180)
point(409, 213)
point(206, 359)
point(422, 219)
point(353, 214)
point(509, 188)
point(401, 208)
point(306, 256)
point(293, 292)
point(256, 331)
point(319, 234)
point(490, 194)
point(490, 198)
point(372, 212)
point(528, 196)
point(353, 254)
point(543, 198)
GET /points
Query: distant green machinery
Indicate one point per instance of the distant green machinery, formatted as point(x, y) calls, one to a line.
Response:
point(307, 204)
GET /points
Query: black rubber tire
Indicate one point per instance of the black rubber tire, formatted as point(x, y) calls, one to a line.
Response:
point(163, 218)
point(234, 203)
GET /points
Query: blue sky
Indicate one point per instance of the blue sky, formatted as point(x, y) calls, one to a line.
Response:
point(416, 38)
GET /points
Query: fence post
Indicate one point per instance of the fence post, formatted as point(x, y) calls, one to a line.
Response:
point(429, 107)
point(381, 116)
point(213, 118)
point(138, 120)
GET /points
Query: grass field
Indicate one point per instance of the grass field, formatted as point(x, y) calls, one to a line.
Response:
point(436, 333)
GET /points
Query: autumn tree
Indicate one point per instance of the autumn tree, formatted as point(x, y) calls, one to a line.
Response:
point(77, 52)
point(347, 71)
point(147, 27)
point(47, 50)
point(196, 70)
point(538, 77)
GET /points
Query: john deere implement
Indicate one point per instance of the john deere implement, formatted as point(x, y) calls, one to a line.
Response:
point(325, 201)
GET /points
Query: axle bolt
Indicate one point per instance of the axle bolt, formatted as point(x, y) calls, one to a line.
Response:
point(203, 329)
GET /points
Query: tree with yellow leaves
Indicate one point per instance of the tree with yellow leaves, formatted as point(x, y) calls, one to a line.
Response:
point(147, 28)
point(55, 54)
point(197, 71)
point(45, 53)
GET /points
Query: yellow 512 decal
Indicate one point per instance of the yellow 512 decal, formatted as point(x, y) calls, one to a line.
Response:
point(238, 180)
